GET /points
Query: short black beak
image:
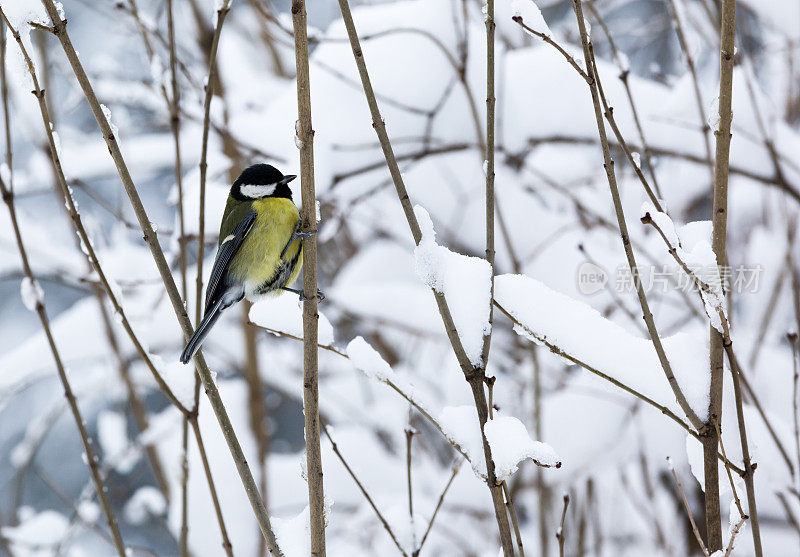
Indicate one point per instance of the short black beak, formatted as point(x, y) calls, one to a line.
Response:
point(288, 178)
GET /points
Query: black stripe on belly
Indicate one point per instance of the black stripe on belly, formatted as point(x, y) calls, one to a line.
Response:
point(281, 276)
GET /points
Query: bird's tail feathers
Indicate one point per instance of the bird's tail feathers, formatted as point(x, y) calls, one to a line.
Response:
point(202, 331)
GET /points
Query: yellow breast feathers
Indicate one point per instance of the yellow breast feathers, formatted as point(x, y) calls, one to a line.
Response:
point(258, 260)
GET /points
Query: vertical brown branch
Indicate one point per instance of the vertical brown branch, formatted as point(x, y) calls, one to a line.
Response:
point(6, 119)
point(512, 513)
point(719, 238)
point(84, 245)
point(490, 119)
point(305, 136)
point(183, 540)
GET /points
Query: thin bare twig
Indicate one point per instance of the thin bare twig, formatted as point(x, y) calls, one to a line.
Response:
point(735, 531)
point(560, 535)
point(546, 38)
point(175, 127)
point(624, 73)
point(6, 117)
point(456, 468)
point(409, 431)
point(226, 542)
point(790, 517)
point(366, 495)
point(688, 510)
point(795, 393)
point(608, 112)
point(736, 499)
point(748, 466)
point(701, 109)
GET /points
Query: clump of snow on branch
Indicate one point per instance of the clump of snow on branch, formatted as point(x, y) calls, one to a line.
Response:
point(624, 64)
point(460, 425)
point(174, 374)
point(5, 173)
point(511, 444)
point(31, 293)
point(699, 258)
point(89, 511)
point(531, 15)
point(663, 222)
point(367, 359)
point(20, 13)
point(283, 315)
point(36, 530)
point(465, 282)
point(25, 449)
point(713, 115)
point(147, 502)
point(293, 534)
point(580, 331)
point(107, 115)
point(112, 433)
point(507, 436)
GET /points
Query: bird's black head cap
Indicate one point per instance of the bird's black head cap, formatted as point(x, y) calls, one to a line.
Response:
point(261, 180)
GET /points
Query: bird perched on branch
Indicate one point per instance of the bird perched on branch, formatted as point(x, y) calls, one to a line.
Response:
point(259, 252)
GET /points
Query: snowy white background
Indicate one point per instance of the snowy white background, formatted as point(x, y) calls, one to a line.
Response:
point(427, 63)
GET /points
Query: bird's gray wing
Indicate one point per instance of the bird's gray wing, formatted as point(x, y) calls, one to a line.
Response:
point(219, 282)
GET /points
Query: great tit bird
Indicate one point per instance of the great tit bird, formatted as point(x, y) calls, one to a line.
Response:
point(259, 252)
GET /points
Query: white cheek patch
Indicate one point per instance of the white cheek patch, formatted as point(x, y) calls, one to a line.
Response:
point(255, 191)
